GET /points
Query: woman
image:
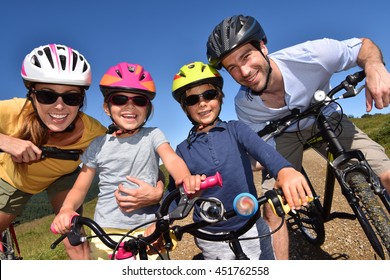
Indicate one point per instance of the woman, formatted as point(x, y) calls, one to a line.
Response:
point(56, 77)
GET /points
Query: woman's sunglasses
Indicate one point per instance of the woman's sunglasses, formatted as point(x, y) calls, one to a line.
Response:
point(50, 97)
point(207, 95)
point(120, 100)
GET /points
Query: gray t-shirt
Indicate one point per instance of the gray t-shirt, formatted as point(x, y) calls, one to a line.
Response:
point(115, 158)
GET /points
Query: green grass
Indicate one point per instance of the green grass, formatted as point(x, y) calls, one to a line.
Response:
point(35, 236)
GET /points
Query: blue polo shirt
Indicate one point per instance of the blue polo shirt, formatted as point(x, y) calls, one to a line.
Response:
point(226, 149)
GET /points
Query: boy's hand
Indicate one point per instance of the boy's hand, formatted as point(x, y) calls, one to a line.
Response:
point(294, 186)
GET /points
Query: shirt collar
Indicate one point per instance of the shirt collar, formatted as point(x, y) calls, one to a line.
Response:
point(192, 135)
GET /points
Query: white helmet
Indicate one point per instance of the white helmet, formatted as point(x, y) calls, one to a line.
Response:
point(56, 64)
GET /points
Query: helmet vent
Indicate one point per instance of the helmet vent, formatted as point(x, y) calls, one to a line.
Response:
point(63, 61)
point(85, 67)
point(131, 69)
point(35, 61)
point(119, 73)
point(48, 55)
point(75, 58)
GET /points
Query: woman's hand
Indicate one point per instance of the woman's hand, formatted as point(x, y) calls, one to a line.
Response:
point(20, 150)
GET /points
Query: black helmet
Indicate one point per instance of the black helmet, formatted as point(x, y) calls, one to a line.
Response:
point(231, 33)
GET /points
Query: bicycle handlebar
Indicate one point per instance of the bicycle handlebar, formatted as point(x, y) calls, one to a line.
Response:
point(244, 204)
point(57, 153)
point(349, 84)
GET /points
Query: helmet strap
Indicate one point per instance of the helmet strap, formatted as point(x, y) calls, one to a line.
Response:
point(114, 128)
point(257, 46)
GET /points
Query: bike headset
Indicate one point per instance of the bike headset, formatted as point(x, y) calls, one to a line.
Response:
point(127, 77)
point(195, 74)
point(232, 33)
point(55, 64)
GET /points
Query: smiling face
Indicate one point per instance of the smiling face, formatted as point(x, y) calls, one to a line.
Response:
point(130, 115)
point(248, 66)
point(58, 115)
point(206, 110)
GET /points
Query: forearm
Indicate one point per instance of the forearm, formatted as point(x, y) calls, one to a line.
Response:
point(369, 54)
point(178, 169)
point(74, 199)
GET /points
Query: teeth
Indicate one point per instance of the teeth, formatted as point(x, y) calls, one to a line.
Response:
point(58, 116)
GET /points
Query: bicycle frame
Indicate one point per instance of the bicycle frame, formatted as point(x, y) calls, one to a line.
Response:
point(8, 244)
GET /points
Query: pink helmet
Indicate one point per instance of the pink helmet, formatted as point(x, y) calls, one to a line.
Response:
point(56, 64)
point(128, 78)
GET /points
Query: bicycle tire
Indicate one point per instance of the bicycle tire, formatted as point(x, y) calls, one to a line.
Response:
point(375, 212)
point(308, 220)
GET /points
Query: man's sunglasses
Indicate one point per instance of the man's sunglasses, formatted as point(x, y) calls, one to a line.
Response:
point(120, 100)
point(50, 97)
point(207, 95)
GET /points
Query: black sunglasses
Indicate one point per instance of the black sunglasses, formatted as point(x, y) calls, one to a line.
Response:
point(50, 97)
point(207, 95)
point(120, 100)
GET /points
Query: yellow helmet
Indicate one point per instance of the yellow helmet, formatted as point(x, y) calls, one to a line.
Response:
point(194, 74)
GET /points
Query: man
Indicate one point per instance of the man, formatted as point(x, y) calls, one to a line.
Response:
point(274, 84)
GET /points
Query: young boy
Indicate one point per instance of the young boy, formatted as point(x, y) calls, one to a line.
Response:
point(214, 145)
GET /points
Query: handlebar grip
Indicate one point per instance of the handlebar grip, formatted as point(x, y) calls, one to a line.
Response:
point(356, 78)
point(53, 230)
point(209, 182)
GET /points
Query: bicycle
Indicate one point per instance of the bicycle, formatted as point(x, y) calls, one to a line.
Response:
point(360, 186)
point(9, 246)
point(212, 211)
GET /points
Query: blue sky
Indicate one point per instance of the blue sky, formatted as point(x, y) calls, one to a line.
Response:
point(164, 35)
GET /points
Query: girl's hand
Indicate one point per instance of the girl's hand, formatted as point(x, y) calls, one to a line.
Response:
point(62, 222)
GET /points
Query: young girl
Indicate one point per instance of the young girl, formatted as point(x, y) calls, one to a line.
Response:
point(128, 149)
point(213, 145)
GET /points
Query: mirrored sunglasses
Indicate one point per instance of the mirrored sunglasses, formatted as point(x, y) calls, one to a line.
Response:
point(50, 97)
point(120, 100)
point(207, 95)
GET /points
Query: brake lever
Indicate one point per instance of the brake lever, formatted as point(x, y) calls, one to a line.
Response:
point(186, 203)
point(184, 206)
